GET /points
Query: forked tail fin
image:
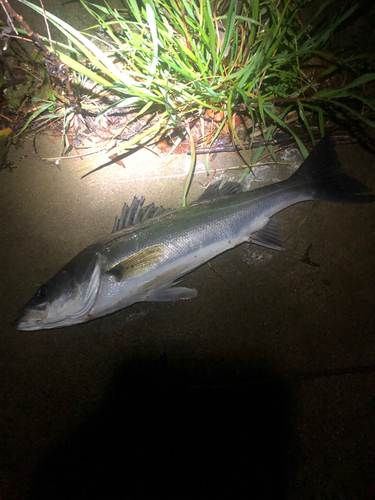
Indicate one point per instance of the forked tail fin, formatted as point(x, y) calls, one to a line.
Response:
point(322, 172)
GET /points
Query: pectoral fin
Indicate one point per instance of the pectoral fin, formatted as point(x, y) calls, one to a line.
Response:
point(137, 264)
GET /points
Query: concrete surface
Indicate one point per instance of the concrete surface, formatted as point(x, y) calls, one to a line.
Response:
point(262, 387)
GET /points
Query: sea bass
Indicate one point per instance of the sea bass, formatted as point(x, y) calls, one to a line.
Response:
point(150, 249)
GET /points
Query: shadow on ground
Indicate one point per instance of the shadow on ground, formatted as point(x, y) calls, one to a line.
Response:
point(153, 437)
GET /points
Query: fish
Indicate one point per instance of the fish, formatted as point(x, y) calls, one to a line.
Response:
point(150, 249)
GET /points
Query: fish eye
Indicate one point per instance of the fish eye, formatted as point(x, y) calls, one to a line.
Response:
point(42, 292)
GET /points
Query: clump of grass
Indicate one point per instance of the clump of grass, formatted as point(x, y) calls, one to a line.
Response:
point(184, 57)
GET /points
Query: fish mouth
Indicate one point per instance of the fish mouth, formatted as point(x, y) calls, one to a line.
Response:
point(34, 319)
point(31, 319)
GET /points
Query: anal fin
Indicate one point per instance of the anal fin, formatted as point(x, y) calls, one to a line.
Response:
point(269, 236)
point(167, 294)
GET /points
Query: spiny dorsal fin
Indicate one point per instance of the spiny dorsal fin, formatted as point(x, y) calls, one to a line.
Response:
point(138, 263)
point(268, 236)
point(135, 214)
point(219, 190)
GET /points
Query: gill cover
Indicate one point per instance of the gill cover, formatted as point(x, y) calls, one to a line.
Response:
point(67, 298)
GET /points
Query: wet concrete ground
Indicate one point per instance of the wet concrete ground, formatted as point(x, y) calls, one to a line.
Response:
point(261, 387)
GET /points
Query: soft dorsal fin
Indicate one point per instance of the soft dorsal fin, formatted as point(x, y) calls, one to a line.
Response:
point(219, 190)
point(137, 263)
point(135, 214)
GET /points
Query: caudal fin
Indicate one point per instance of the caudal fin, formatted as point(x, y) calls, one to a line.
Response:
point(323, 174)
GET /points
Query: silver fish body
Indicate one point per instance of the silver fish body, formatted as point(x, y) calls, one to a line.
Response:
point(143, 262)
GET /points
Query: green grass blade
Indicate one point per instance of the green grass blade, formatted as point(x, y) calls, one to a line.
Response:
point(36, 113)
point(284, 125)
point(321, 122)
point(101, 60)
point(220, 128)
point(260, 105)
point(254, 18)
point(305, 121)
point(327, 93)
point(192, 166)
point(230, 18)
point(154, 34)
point(212, 36)
point(135, 10)
point(76, 66)
point(355, 113)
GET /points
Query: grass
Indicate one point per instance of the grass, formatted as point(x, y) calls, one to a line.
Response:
point(183, 58)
